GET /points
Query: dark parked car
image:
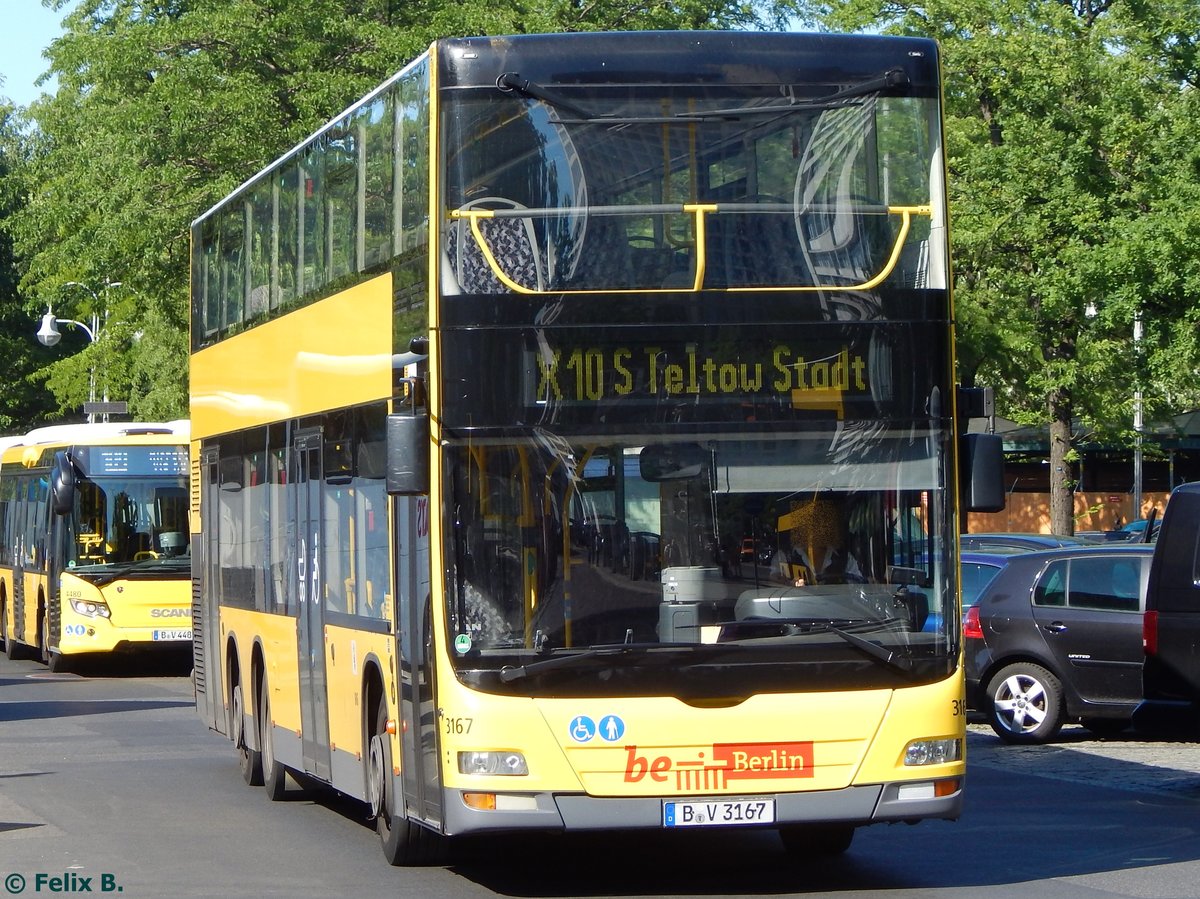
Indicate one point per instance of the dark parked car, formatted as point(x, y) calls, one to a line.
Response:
point(1171, 677)
point(1015, 542)
point(1057, 637)
point(1134, 532)
point(978, 569)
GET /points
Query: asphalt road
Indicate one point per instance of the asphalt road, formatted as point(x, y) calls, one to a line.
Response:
point(110, 780)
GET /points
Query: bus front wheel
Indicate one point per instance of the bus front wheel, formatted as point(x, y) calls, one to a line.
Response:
point(404, 842)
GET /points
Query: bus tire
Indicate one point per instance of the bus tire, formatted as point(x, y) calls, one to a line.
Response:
point(816, 840)
point(404, 842)
point(249, 760)
point(58, 663)
point(13, 647)
point(274, 775)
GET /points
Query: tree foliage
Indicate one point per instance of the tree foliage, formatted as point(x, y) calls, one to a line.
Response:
point(23, 399)
point(164, 106)
point(1072, 197)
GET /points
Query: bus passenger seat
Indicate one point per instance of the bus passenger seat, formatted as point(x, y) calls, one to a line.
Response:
point(605, 262)
point(511, 241)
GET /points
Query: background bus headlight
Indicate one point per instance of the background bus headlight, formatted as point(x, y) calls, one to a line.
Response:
point(91, 609)
point(481, 762)
point(932, 752)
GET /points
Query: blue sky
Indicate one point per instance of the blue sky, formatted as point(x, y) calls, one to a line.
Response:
point(28, 29)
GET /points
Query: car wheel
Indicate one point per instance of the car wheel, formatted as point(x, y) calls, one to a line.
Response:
point(1025, 704)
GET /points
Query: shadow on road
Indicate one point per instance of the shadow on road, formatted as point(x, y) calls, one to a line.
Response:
point(68, 708)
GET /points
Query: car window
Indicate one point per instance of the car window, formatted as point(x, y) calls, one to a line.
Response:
point(976, 576)
point(1107, 584)
point(1051, 589)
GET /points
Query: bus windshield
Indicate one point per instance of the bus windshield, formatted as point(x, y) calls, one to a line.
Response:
point(740, 552)
point(127, 519)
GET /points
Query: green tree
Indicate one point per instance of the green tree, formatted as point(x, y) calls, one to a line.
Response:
point(1071, 180)
point(24, 401)
point(164, 106)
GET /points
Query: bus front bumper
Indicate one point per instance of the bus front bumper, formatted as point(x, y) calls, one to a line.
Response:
point(856, 805)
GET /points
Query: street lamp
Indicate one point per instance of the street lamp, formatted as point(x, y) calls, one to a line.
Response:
point(1091, 311)
point(49, 335)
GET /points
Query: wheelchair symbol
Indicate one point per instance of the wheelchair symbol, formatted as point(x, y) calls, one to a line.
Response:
point(583, 729)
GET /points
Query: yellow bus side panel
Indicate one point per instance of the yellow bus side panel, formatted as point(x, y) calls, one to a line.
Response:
point(35, 592)
point(346, 651)
point(276, 634)
point(325, 356)
point(27, 624)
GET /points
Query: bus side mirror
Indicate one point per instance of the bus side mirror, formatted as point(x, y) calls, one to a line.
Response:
point(981, 476)
point(62, 485)
point(408, 453)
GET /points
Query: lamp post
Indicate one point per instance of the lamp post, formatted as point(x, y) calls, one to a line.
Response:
point(1091, 311)
point(1137, 419)
point(49, 335)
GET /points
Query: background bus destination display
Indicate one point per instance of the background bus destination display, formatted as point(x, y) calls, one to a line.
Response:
point(98, 461)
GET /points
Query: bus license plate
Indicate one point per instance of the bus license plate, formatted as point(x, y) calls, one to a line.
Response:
point(718, 812)
point(178, 634)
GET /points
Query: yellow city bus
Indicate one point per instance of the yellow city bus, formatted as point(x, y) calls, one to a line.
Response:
point(94, 545)
point(577, 446)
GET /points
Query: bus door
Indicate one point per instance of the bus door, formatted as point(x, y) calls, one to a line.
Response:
point(206, 577)
point(58, 547)
point(18, 588)
point(418, 717)
point(314, 703)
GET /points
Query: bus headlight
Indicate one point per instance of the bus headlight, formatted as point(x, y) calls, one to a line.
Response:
point(481, 762)
point(91, 609)
point(932, 752)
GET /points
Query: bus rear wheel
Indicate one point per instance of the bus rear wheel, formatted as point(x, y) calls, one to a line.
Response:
point(404, 842)
point(274, 775)
point(816, 840)
point(13, 647)
point(249, 760)
point(10, 645)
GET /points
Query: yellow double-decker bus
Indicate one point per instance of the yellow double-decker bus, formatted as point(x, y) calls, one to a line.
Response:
point(94, 544)
point(577, 446)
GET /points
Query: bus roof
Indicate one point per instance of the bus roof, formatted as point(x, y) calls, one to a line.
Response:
point(98, 431)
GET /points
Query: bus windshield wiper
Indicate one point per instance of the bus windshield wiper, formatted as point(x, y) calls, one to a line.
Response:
point(842, 629)
point(888, 80)
point(107, 572)
point(512, 81)
point(568, 659)
point(888, 657)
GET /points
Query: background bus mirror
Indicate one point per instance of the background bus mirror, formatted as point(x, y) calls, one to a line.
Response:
point(408, 453)
point(62, 485)
point(672, 462)
point(982, 472)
